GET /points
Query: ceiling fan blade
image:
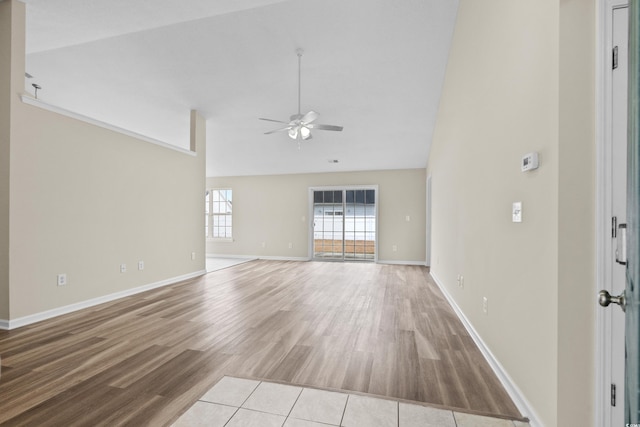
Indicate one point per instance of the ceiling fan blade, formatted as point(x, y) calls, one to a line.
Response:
point(278, 130)
point(324, 127)
point(271, 120)
point(309, 117)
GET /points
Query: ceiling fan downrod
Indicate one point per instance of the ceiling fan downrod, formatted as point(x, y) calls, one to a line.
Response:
point(299, 52)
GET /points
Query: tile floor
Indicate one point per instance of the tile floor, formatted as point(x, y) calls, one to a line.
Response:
point(236, 402)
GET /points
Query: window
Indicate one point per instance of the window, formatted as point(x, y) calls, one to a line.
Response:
point(218, 209)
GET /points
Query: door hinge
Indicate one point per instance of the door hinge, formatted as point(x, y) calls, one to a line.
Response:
point(614, 226)
point(613, 395)
point(615, 57)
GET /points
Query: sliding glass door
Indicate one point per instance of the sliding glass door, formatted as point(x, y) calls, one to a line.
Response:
point(344, 223)
point(328, 224)
point(360, 224)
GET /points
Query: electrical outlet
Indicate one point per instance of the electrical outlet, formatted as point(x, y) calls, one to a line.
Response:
point(264, 244)
point(485, 305)
point(290, 245)
point(462, 281)
point(395, 248)
point(193, 256)
point(123, 268)
point(62, 279)
point(140, 265)
point(407, 218)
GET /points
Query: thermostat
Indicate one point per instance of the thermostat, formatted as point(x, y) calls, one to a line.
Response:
point(529, 162)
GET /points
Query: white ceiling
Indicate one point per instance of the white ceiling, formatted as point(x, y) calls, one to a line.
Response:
point(375, 67)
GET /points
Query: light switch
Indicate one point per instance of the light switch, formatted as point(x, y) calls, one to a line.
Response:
point(516, 212)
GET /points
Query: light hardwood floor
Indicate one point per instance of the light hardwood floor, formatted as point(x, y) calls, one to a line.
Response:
point(143, 360)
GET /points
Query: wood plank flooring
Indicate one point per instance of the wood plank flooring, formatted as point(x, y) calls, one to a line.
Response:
point(144, 359)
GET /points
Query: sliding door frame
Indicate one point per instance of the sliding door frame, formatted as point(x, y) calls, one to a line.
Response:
point(342, 188)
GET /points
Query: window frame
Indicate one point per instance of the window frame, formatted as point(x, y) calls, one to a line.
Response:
point(211, 215)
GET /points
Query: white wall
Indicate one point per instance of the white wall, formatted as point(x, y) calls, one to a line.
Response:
point(84, 199)
point(271, 208)
point(520, 79)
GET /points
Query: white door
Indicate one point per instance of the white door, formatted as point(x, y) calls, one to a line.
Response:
point(617, 140)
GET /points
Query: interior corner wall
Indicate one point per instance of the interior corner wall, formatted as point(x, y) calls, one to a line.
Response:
point(274, 209)
point(198, 144)
point(576, 207)
point(500, 102)
point(6, 92)
point(85, 199)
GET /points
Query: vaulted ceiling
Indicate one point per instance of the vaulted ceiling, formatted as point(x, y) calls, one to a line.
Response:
point(375, 67)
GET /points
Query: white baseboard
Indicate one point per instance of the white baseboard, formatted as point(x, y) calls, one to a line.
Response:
point(33, 318)
point(230, 256)
point(281, 258)
point(382, 261)
point(270, 258)
point(523, 405)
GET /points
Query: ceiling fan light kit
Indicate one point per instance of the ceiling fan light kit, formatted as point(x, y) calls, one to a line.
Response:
point(300, 125)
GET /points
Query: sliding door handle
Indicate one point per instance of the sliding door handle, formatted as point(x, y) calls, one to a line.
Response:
point(605, 298)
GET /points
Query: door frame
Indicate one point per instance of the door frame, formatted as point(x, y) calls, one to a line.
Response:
point(428, 225)
point(338, 188)
point(602, 359)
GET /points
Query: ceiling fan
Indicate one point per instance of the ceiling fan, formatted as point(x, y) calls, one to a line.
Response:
point(299, 125)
